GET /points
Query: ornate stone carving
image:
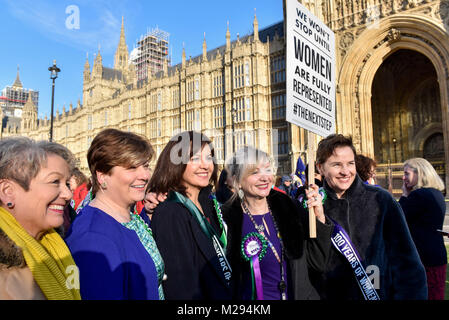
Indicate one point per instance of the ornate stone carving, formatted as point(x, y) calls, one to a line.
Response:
point(346, 40)
point(353, 13)
point(427, 11)
point(357, 134)
point(393, 35)
point(443, 12)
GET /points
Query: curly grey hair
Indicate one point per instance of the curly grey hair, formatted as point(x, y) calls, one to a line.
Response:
point(22, 158)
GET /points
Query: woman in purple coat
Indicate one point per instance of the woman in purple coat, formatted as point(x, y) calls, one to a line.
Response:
point(269, 248)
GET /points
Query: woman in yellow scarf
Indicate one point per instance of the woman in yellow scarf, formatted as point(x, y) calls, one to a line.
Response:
point(35, 262)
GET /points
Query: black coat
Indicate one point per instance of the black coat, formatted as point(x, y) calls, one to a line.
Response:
point(376, 225)
point(191, 263)
point(302, 253)
point(424, 210)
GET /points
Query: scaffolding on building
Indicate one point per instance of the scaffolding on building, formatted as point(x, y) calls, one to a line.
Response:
point(151, 51)
point(12, 100)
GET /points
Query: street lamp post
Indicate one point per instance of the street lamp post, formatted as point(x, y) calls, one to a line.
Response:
point(53, 75)
point(394, 148)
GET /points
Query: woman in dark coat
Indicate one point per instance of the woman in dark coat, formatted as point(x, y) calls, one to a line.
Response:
point(424, 208)
point(376, 226)
point(268, 242)
point(187, 226)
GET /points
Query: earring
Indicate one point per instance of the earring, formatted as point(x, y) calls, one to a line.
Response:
point(103, 185)
point(241, 194)
point(10, 205)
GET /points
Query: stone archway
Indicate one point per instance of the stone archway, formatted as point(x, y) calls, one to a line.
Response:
point(364, 58)
point(405, 105)
point(433, 147)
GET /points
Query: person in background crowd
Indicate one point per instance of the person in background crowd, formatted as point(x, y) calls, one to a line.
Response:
point(425, 209)
point(35, 263)
point(188, 226)
point(79, 185)
point(300, 193)
point(286, 185)
point(224, 189)
point(277, 189)
point(269, 221)
point(368, 220)
point(366, 169)
point(112, 246)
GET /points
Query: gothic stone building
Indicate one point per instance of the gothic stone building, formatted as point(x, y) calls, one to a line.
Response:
point(392, 90)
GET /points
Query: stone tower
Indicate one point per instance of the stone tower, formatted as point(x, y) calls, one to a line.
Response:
point(29, 116)
point(121, 54)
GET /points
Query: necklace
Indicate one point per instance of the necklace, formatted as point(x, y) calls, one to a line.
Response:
point(113, 213)
point(280, 258)
point(141, 221)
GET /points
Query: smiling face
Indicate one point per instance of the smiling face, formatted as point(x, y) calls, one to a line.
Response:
point(339, 170)
point(410, 177)
point(198, 170)
point(41, 208)
point(256, 182)
point(125, 186)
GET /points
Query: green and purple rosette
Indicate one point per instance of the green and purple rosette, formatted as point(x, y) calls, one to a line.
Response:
point(254, 248)
point(303, 199)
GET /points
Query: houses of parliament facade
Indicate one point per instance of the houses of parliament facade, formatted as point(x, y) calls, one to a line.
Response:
point(391, 97)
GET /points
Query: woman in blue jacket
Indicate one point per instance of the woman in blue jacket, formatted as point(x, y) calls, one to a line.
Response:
point(114, 248)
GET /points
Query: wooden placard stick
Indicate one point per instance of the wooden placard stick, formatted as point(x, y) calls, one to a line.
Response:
point(311, 178)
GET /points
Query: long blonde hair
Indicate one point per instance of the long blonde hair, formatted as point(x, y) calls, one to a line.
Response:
point(427, 176)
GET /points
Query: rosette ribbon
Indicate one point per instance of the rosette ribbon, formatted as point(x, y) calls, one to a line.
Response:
point(302, 198)
point(254, 248)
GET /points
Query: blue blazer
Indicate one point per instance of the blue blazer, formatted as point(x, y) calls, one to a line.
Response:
point(113, 263)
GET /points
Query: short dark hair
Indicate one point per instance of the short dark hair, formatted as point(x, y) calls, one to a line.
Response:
point(167, 175)
point(363, 165)
point(327, 146)
point(112, 147)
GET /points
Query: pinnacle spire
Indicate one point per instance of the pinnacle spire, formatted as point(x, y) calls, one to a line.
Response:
point(256, 26)
point(228, 38)
point(87, 65)
point(183, 55)
point(122, 33)
point(29, 105)
point(204, 48)
point(17, 82)
point(121, 54)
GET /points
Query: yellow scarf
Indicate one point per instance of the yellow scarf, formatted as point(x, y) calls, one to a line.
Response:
point(49, 260)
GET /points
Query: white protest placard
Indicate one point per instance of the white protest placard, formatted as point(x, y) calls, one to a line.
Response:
point(310, 92)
